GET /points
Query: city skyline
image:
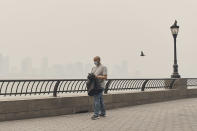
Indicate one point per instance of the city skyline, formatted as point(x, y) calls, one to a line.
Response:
point(28, 69)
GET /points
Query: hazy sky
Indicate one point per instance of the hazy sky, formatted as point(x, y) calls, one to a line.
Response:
point(68, 31)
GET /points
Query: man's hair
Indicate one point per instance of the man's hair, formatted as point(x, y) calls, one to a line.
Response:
point(97, 57)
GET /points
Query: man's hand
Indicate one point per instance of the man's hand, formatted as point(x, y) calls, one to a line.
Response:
point(104, 77)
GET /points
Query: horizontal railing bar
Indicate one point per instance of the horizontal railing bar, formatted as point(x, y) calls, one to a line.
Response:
point(43, 80)
point(21, 80)
point(146, 79)
point(125, 88)
point(72, 91)
point(26, 93)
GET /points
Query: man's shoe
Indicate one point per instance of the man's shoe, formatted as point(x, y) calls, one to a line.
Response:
point(102, 115)
point(95, 117)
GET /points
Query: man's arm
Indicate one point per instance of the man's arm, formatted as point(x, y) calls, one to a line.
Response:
point(104, 76)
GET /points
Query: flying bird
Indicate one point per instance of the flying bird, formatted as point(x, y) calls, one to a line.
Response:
point(142, 53)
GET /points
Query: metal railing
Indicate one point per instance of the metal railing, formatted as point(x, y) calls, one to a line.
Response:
point(138, 84)
point(191, 83)
point(57, 86)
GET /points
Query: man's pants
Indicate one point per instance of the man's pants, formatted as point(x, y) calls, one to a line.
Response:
point(99, 104)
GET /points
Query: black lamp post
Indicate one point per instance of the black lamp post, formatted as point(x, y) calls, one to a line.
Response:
point(175, 29)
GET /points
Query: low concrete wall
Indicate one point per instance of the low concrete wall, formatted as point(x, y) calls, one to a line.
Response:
point(22, 109)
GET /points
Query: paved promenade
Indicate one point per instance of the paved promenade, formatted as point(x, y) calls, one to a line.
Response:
point(178, 115)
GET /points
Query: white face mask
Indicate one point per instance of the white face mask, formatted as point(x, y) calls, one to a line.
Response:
point(96, 63)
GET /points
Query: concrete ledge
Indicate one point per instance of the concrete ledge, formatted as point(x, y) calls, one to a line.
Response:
point(31, 108)
point(192, 93)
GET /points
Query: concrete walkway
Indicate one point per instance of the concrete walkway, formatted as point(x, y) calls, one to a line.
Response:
point(178, 115)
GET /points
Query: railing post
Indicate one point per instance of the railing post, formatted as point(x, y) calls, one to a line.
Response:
point(172, 83)
point(144, 85)
point(107, 86)
point(180, 84)
point(55, 88)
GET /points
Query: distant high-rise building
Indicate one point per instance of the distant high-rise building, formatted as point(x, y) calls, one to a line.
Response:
point(87, 68)
point(1, 64)
point(119, 71)
point(57, 71)
point(124, 68)
point(78, 70)
point(44, 66)
point(26, 66)
point(4, 65)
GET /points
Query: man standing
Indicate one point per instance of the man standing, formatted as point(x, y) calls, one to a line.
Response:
point(100, 72)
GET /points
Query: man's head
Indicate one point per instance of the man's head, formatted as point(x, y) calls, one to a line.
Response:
point(97, 60)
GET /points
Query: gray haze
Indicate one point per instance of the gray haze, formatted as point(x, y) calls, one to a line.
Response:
point(67, 34)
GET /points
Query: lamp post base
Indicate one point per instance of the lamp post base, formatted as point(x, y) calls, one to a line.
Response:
point(175, 75)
